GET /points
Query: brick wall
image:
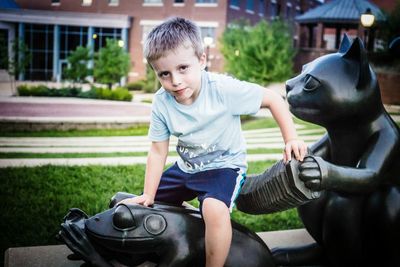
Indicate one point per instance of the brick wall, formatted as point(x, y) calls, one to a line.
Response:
point(389, 84)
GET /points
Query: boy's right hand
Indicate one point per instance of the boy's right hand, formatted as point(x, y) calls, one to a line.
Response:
point(145, 200)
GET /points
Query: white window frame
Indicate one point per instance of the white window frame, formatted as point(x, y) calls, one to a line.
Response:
point(161, 3)
point(113, 2)
point(56, 3)
point(87, 2)
point(206, 4)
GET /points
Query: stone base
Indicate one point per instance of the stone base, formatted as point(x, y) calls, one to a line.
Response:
point(56, 256)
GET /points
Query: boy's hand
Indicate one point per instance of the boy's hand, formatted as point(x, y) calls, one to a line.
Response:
point(295, 146)
point(145, 200)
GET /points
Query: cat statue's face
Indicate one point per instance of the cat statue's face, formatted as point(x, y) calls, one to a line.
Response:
point(335, 88)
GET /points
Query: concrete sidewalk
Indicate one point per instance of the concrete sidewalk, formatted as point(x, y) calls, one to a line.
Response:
point(56, 255)
point(41, 113)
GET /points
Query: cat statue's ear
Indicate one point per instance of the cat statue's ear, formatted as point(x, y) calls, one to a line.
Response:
point(355, 51)
point(345, 44)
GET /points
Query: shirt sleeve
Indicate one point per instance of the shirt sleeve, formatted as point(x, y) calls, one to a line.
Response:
point(241, 97)
point(158, 130)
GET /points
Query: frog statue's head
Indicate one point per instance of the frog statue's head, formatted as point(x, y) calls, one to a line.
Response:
point(130, 234)
point(163, 234)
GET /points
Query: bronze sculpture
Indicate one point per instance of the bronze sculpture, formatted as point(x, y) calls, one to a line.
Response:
point(164, 234)
point(356, 220)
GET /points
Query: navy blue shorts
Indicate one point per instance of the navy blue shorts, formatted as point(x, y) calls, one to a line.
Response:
point(177, 186)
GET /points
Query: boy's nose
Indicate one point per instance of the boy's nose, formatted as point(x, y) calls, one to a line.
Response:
point(176, 80)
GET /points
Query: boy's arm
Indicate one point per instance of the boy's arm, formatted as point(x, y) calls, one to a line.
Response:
point(275, 103)
point(156, 159)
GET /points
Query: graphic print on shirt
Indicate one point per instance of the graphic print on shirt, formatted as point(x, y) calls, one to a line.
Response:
point(197, 156)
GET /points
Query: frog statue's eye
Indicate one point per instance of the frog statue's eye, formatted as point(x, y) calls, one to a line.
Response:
point(155, 224)
point(311, 83)
point(123, 219)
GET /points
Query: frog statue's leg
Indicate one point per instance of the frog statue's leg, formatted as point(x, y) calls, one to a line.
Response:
point(76, 239)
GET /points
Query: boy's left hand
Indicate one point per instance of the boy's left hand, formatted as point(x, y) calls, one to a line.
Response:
point(295, 146)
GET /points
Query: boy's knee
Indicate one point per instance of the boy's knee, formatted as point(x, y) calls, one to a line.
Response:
point(215, 209)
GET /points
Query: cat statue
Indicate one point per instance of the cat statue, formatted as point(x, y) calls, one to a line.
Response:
point(356, 165)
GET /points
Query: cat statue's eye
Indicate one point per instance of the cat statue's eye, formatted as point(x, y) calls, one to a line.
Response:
point(311, 83)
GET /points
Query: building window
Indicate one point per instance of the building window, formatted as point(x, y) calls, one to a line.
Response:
point(101, 35)
point(55, 2)
point(70, 38)
point(208, 32)
point(206, 3)
point(113, 2)
point(39, 39)
point(261, 8)
point(86, 2)
point(250, 6)
point(4, 51)
point(234, 4)
point(289, 11)
point(298, 11)
point(179, 1)
point(152, 2)
point(275, 9)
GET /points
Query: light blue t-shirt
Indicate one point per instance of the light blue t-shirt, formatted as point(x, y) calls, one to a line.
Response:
point(209, 130)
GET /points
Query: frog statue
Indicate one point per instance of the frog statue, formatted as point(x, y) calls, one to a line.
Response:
point(355, 221)
point(163, 234)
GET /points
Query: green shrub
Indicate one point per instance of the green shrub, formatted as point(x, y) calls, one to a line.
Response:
point(120, 93)
point(23, 90)
point(40, 90)
point(136, 86)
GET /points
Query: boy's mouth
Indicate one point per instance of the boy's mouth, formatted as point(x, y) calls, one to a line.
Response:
point(180, 91)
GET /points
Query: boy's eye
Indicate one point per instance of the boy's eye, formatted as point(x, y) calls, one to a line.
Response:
point(163, 74)
point(183, 68)
point(311, 83)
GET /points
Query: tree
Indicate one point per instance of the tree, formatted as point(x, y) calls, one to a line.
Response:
point(390, 28)
point(262, 53)
point(16, 63)
point(78, 70)
point(111, 63)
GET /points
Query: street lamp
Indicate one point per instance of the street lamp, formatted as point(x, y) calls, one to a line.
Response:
point(367, 20)
point(208, 40)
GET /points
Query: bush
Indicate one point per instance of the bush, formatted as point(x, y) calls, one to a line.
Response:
point(23, 90)
point(136, 86)
point(120, 93)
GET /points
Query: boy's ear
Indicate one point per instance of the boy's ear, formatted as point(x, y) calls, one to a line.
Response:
point(203, 60)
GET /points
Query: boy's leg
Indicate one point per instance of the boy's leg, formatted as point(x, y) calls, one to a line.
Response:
point(172, 187)
point(218, 234)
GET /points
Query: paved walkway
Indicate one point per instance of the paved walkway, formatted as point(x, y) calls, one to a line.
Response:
point(71, 110)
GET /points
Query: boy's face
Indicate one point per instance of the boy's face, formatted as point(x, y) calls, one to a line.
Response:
point(179, 72)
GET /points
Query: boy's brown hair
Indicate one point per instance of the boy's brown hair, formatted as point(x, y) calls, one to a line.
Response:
point(169, 35)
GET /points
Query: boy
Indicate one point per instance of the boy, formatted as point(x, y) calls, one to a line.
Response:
point(203, 110)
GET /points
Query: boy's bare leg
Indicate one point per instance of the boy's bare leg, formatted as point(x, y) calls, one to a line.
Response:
point(218, 237)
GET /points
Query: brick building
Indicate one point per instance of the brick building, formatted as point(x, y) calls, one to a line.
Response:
point(54, 28)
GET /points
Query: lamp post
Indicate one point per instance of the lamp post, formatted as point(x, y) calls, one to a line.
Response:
point(208, 40)
point(367, 20)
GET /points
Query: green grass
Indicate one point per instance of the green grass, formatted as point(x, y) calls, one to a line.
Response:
point(34, 200)
point(248, 124)
point(22, 155)
point(132, 131)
